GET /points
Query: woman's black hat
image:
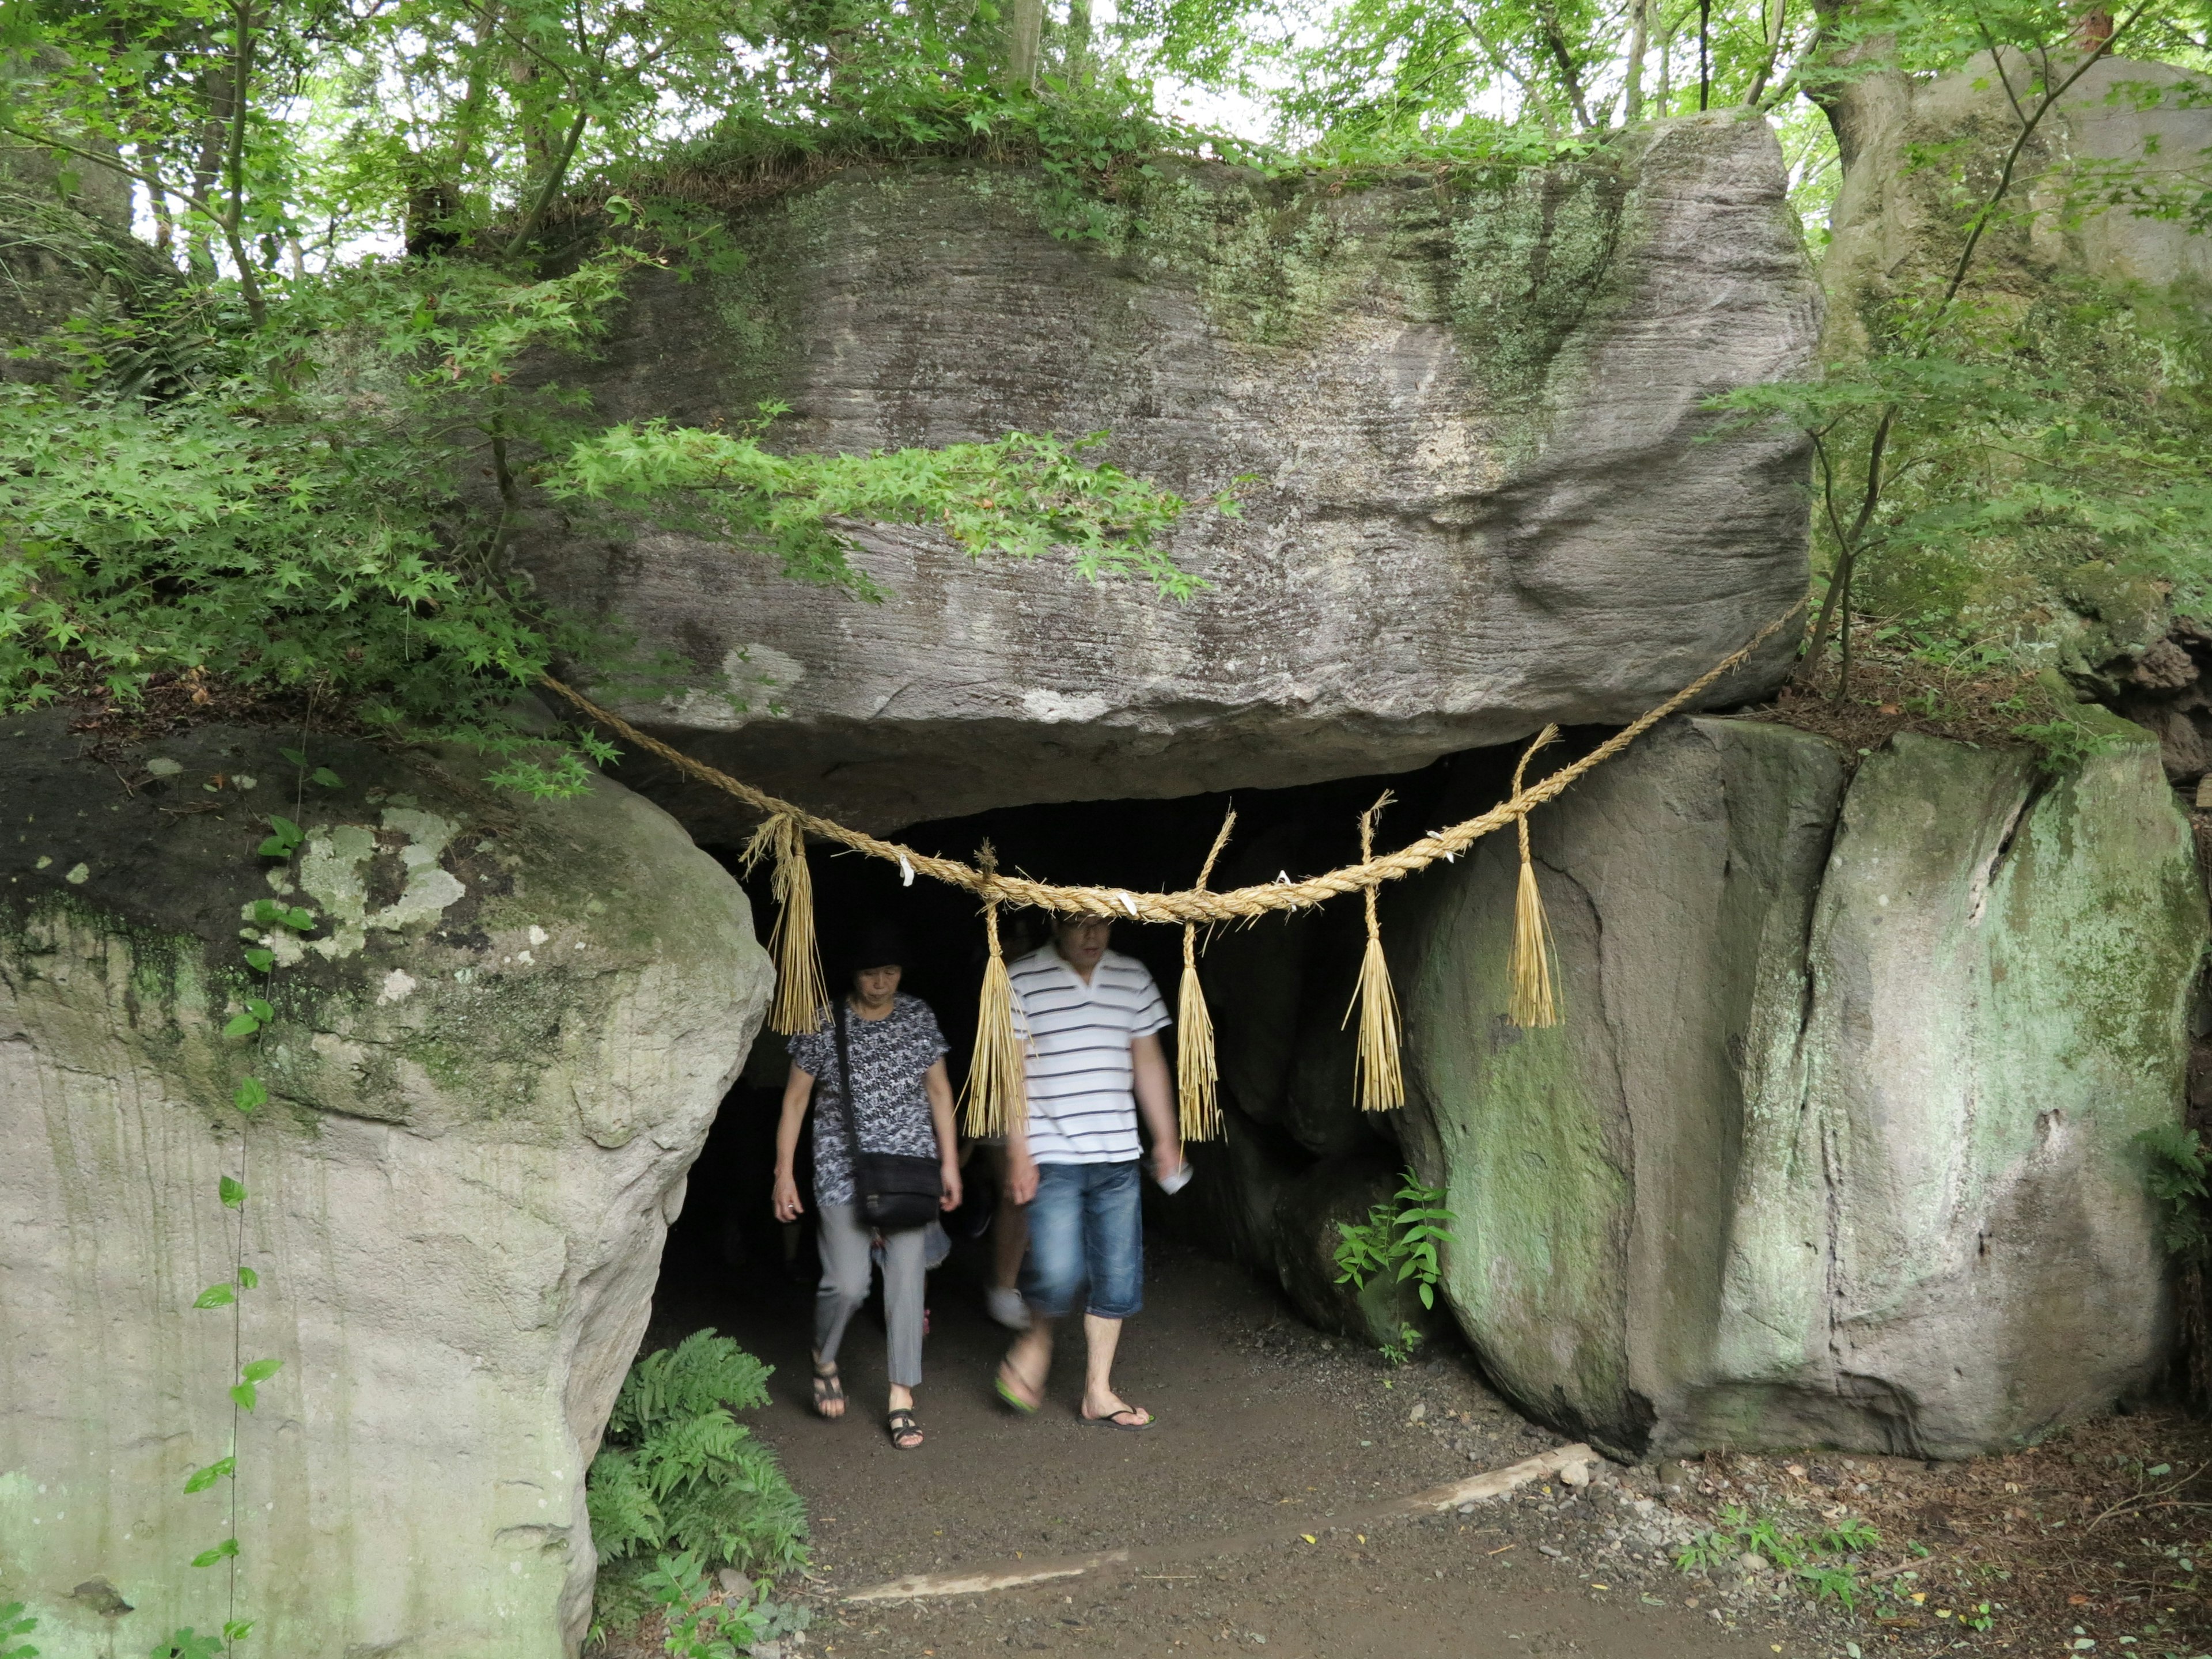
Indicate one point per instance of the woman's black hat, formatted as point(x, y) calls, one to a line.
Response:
point(880, 945)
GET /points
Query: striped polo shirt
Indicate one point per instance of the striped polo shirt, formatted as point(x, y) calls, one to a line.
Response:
point(1083, 1104)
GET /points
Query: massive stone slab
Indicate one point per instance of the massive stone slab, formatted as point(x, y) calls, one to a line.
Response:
point(1477, 494)
point(493, 1060)
point(1835, 1144)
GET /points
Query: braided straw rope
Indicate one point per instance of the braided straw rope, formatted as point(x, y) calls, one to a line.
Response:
point(1193, 904)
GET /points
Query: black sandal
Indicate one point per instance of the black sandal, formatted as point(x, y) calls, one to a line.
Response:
point(829, 1389)
point(905, 1432)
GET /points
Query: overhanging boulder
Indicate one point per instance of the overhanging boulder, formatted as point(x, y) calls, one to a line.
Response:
point(1480, 493)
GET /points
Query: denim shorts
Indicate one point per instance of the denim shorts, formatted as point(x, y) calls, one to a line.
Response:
point(1085, 1224)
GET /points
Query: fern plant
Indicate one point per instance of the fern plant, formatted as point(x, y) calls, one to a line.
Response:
point(678, 1472)
point(2176, 1181)
point(2180, 1177)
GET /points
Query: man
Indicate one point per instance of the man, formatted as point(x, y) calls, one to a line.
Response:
point(1093, 1017)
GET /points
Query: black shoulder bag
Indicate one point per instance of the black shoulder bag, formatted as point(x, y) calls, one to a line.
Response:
point(894, 1190)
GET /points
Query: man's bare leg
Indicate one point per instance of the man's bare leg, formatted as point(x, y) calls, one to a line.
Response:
point(1099, 1399)
point(1029, 1362)
point(1010, 1242)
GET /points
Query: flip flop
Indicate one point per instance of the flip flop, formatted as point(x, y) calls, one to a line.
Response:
point(1112, 1419)
point(1026, 1407)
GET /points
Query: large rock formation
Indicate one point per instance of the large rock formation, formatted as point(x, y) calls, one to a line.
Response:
point(1835, 1145)
point(494, 1057)
point(1478, 490)
point(1898, 222)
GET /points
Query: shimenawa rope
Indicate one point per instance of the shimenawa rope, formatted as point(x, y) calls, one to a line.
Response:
point(996, 1086)
point(1197, 1078)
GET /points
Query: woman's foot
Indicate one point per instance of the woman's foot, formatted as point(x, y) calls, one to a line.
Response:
point(905, 1433)
point(828, 1392)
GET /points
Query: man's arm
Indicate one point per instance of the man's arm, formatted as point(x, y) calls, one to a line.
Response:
point(1021, 1168)
point(1156, 1104)
point(939, 1087)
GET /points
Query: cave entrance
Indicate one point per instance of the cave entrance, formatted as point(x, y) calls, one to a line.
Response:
point(1257, 1405)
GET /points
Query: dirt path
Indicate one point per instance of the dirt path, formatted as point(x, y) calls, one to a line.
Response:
point(1269, 1436)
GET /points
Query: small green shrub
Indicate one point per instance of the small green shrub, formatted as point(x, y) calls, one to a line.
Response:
point(1810, 1557)
point(680, 1479)
point(1400, 1242)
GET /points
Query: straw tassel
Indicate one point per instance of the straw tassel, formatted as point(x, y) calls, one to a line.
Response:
point(1382, 1080)
point(1197, 1077)
point(997, 1084)
point(1533, 1002)
point(802, 996)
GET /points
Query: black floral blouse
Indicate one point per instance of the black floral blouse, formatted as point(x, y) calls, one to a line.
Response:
point(889, 1056)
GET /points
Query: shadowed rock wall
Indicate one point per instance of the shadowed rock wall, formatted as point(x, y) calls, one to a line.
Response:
point(1467, 413)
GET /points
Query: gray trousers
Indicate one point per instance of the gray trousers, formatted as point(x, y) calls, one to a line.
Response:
point(846, 1271)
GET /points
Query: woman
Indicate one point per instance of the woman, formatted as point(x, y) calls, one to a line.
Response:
point(905, 1102)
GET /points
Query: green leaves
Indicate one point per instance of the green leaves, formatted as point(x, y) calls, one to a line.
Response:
point(283, 838)
point(222, 1469)
point(233, 1193)
point(245, 1391)
point(250, 1095)
point(256, 1014)
point(1022, 495)
point(677, 1471)
point(221, 1552)
point(1401, 1241)
point(2177, 1174)
point(14, 1622)
point(261, 960)
point(215, 1296)
point(270, 913)
point(185, 1643)
point(248, 1279)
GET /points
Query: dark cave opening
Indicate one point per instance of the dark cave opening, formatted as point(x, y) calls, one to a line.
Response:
point(727, 1248)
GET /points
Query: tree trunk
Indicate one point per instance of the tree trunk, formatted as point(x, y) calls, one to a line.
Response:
point(1631, 105)
point(1024, 43)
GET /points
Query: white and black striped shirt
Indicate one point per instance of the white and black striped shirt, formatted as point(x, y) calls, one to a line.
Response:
point(1083, 1104)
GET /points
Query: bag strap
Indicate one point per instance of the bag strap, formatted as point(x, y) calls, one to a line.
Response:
point(845, 1090)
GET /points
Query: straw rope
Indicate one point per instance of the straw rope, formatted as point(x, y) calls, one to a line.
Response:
point(1381, 1079)
point(1198, 1075)
point(1194, 905)
point(1529, 968)
point(997, 1090)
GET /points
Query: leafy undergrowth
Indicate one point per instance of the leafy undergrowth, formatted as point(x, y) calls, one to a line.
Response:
point(1900, 689)
point(2091, 1542)
point(679, 1489)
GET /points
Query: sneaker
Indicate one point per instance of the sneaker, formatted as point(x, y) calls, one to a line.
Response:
point(1007, 1307)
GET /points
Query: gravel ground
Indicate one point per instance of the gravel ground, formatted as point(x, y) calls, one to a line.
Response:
point(1252, 1512)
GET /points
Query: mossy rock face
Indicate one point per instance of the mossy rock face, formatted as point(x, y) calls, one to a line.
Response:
point(1464, 418)
point(493, 1058)
point(1835, 1143)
